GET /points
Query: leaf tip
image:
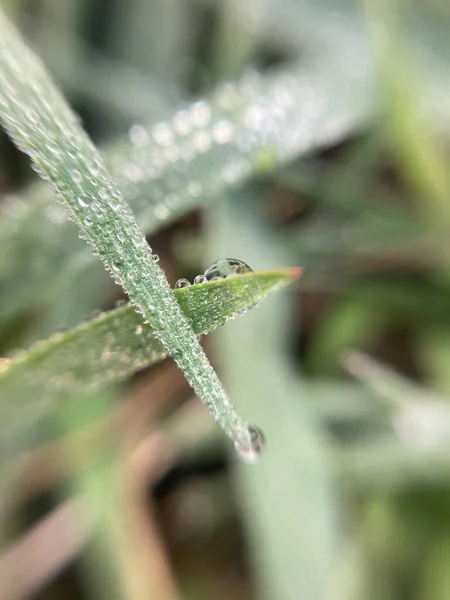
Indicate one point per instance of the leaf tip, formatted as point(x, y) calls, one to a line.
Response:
point(294, 272)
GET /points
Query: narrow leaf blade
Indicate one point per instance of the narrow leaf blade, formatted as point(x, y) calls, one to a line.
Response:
point(116, 344)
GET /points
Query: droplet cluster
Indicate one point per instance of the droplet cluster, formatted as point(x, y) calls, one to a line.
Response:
point(220, 269)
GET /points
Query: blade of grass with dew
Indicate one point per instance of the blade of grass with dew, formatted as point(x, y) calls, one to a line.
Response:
point(179, 164)
point(115, 345)
point(320, 104)
point(40, 122)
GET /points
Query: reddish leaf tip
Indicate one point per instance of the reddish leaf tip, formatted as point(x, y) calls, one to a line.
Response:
point(294, 272)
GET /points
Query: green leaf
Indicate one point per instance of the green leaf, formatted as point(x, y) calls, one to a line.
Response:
point(302, 108)
point(116, 344)
point(41, 123)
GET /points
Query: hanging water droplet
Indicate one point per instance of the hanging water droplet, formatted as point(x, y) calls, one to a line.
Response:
point(181, 283)
point(176, 353)
point(155, 258)
point(250, 444)
point(226, 267)
point(199, 279)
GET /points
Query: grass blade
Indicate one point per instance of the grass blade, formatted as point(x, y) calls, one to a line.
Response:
point(41, 123)
point(216, 144)
point(115, 345)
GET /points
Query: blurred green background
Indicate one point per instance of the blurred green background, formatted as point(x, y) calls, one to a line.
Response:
point(347, 373)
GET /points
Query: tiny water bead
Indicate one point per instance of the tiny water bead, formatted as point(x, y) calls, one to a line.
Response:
point(225, 267)
point(199, 279)
point(249, 444)
point(220, 269)
point(181, 283)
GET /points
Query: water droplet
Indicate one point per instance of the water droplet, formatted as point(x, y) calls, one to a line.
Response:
point(132, 172)
point(77, 176)
point(176, 353)
point(250, 444)
point(155, 258)
point(162, 134)
point(222, 132)
point(161, 211)
point(201, 114)
point(181, 122)
point(82, 202)
point(181, 283)
point(195, 188)
point(88, 221)
point(139, 329)
point(226, 267)
point(202, 141)
point(199, 279)
point(138, 136)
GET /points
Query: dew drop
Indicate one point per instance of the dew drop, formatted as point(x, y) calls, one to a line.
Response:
point(202, 141)
point(199, 279)
point(138, 136)
point(250, 444)
point(161, 211)
point(162, 134)
point(181, 122)
point(82, 202)
point(155, 258)
point(225, 267)
point(77, 176)
point(195, 188)
point(181, 283)
point(222, 132)
point(176, 353)
point(201, 114)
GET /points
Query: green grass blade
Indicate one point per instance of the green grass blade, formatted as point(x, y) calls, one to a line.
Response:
point(41, 123)
point(115, 345)
point(217, 144)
